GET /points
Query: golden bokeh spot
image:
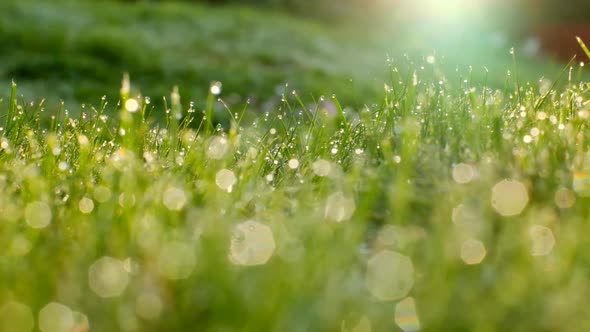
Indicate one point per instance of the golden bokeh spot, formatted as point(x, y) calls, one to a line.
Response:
point(473, 252)
point(509, 197)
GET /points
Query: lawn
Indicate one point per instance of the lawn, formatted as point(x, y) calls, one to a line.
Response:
point(446, 201)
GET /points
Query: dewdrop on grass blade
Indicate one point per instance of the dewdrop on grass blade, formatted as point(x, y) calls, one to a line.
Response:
point(293, 164)
point(215, 88)
point(131, 105)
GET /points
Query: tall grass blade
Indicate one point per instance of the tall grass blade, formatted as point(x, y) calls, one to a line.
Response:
point(583, 46)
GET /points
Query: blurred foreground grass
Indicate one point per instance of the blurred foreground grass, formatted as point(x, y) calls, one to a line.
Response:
point(443, 207)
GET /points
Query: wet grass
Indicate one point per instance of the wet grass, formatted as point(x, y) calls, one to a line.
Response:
point(445, 205)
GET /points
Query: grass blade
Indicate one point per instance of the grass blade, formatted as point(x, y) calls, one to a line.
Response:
point(583, 46)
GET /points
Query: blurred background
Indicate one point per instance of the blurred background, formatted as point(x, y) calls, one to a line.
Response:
point(77, 51)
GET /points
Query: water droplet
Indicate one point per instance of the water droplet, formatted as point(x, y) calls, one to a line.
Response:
point(131, 105)
point(293, 164)
point(527, 139)
point(215, 88)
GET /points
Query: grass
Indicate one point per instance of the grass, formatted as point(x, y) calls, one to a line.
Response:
point(78, 50)
point(451, 200)
point(446, 205)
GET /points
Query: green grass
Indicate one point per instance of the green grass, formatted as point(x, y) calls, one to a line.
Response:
point(77, 50)
point(302, 220)
point(455, 199)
